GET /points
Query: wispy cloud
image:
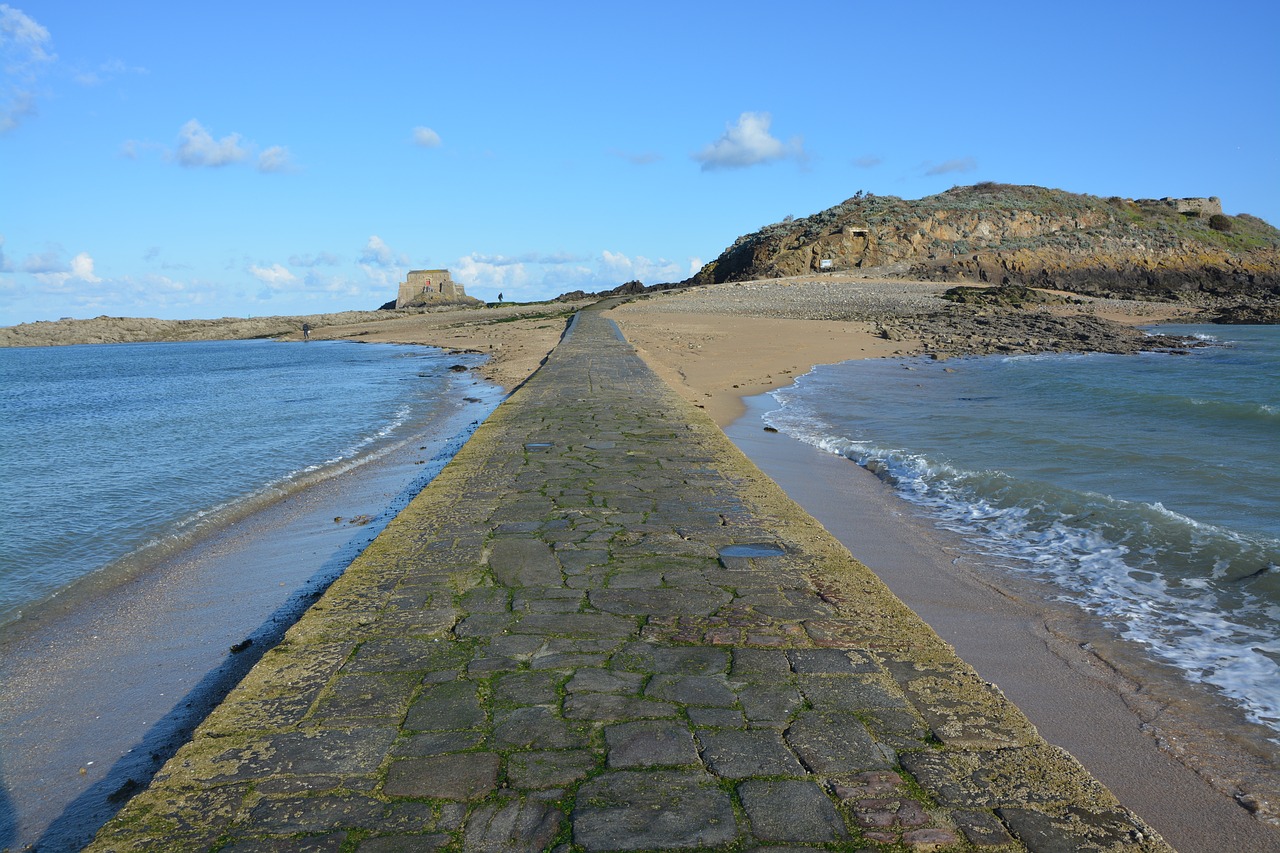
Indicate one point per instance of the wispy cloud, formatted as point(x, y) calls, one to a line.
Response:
point(276, 159)
point(105, 72)
point(320, 259)
point(197, 148)
point(425, 137)
point(748, 143)
point(959, 164)
point(275, 274)
point(24, 54)
point(5, 264)
point(54, 273)
point(377, 253)
point(869, 161)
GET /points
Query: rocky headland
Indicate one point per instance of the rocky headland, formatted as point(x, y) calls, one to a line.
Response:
point(1170, 249)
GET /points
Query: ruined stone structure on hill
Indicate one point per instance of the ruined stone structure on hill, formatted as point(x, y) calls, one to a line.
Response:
point(1196, 207)
point(422, 287)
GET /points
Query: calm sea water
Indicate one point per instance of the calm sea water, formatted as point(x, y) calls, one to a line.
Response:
point(116, 455)
point(1146, 489)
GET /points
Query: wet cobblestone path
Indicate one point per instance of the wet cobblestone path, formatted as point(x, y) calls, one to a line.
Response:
point(601, 628)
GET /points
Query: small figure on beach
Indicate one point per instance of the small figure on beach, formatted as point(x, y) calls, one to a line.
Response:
point(499, 297)
point(306, 331)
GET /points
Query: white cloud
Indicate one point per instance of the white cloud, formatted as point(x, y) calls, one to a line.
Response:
point(868, 162)
point(82, 268)
point(377, 253)
point(24, 54)
point(56, 274)
point(321, 259)
point(535, 275)
point(426, 137)
point(959, 164)
point(197, 147)
point(639, 268)
point(273, 275)
point(5, 264)
point(748, 143)
point(108, 70)
point(275, 159)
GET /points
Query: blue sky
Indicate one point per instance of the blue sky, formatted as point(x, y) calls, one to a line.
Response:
point(203, 160)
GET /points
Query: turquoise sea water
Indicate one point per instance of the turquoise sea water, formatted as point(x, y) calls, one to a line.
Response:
point(115, 455)
point(1144, 489)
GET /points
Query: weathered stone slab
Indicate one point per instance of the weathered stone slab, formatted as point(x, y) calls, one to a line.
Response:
point(659, 810)
point(649, 743)
point(549, 768)
point(675, 660)
point(710, 690)
point(834, 744)
point(535, 727)
point(460, 776)
point(660, 602)
point(446, 707)
point(791, 811)
point(524, 561)
point(513, 825)
point(583, 625)
point(743, 754)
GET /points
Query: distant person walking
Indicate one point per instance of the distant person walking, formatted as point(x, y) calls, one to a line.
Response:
point(499, 297)
point(306, 331)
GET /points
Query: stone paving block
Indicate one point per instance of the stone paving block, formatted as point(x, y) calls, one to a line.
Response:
point(830, 662)
point(834, 744)
point(724, 718)
point(743, 754)
point(1075, 829)
point(711, 690)
point(645, 657)
point(649, 743)
point(331, 843)
point(1003, 777)
point(404, 843)
point(838, 693)
point(791, 810)
point(523, 561)
point(549, 768)
point(460, 776)
point(535, 727)
point(598, 680)
point(659, 602)
point(446, 707)
point(657, 810)
point(610, 707)
point(753, 664)
point(770, 704)
point(365, 696)
point(580, 625)
point(527, 688)
point(512, 825)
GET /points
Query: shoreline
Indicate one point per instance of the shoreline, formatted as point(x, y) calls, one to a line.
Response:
point(101, 685)
point(1057, 666)
point(1161, 752)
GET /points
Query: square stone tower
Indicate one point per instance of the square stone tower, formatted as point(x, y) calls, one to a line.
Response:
point(424, 286)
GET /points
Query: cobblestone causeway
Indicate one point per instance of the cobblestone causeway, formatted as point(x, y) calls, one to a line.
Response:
point(557, 647)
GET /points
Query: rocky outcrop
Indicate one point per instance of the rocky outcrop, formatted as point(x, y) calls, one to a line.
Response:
point(1002, 234)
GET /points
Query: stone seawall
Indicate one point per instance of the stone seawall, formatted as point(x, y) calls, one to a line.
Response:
point(602, 628)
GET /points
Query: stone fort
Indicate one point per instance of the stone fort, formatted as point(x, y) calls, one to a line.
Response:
point(422, 287)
